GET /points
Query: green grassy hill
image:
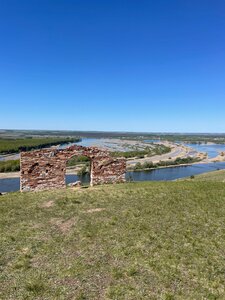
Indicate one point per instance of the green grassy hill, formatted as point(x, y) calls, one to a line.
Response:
point(211, 176)
point(156, 240)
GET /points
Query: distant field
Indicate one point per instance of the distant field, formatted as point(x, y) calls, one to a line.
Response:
point(8, 146)
point(155, 240)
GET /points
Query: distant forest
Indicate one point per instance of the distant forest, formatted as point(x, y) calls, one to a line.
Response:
point(182, 137)
point(8, 146)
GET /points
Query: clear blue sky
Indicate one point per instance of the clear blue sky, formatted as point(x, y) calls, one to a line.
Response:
point(142, 65)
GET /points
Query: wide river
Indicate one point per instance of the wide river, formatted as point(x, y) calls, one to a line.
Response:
point(212, 149)
point(162, 174)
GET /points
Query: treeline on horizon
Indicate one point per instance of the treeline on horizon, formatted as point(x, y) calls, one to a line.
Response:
point(173, 136)
point(10, 146)
point(193, 139)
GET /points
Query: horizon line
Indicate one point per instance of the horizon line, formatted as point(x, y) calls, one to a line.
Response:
point(116, 131)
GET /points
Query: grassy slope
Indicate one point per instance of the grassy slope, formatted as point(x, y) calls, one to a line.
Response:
point(150, 241)
point(211, 176)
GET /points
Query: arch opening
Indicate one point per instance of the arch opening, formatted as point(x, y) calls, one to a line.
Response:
point(78, 168)
point(40, 169)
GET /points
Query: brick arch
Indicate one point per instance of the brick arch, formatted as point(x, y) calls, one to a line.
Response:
point(46, 168)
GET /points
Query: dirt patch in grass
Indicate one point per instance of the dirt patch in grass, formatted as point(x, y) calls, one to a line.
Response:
point(48, 204)
point(63, 225)
point(70, 282)
point(92, 210)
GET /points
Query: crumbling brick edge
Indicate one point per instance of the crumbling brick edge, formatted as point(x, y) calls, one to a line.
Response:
point(46, 168)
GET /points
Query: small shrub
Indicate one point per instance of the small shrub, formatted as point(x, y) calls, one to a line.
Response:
point(138, 166)
point(82, 171)
point(36, 286)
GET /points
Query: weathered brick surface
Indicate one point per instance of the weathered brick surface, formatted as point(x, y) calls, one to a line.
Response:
point(46, 168)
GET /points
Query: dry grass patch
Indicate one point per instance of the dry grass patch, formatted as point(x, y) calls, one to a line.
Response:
point(47, 204)
point(92, 210)
point(63, 225)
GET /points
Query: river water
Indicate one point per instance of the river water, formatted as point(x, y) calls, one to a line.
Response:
point(162, 174)
point(99, 142)
point(211, 149)
point(171, 173)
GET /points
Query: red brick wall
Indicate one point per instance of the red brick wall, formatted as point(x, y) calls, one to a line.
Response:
point(46, 168)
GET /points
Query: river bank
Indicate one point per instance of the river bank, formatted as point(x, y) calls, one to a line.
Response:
point(160, 174)
point(74, 170)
